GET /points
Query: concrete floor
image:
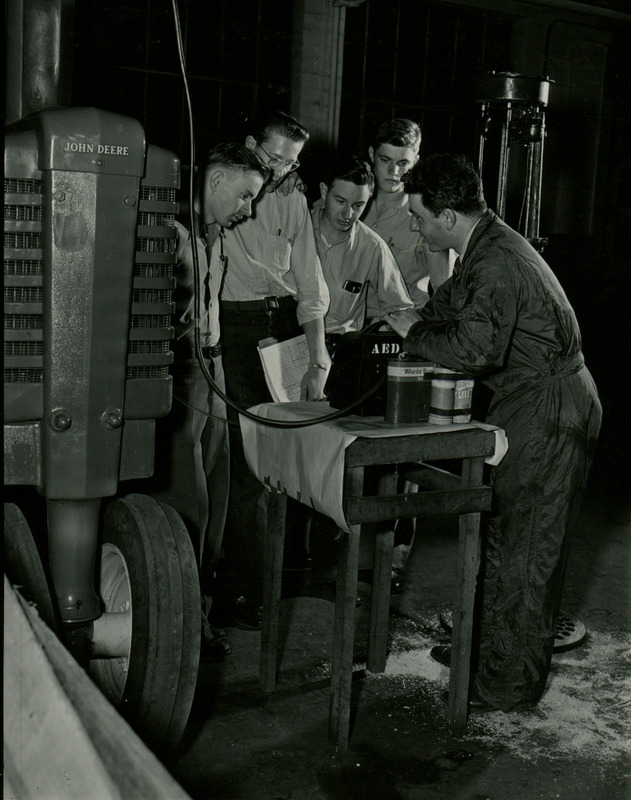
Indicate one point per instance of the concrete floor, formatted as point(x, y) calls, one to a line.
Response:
point(243, 745)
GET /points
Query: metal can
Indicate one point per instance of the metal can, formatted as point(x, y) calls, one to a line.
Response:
point(409, 387)
point(441, 406)
point(463, 395)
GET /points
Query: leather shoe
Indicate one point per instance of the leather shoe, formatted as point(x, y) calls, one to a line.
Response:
point(442, 654)
point(214, 649)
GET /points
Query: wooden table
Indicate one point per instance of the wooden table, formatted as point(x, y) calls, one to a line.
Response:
point(460, 492)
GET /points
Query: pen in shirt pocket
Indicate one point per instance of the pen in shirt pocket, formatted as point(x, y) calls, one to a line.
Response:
point(278, 232)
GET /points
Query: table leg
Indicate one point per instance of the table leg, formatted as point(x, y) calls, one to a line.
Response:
point(343, 639)
point(468, 566)
point(381, 580)
point(272, 586)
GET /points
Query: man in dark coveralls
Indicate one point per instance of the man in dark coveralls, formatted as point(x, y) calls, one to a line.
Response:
point(504, 318)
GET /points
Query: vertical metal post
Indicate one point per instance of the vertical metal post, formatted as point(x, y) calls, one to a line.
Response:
point(72, 547)
point(535, 173)
point(503, 172)
point(482, 138)
point(39, 54)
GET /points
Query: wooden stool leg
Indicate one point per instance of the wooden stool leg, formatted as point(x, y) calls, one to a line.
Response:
point(467, 571)
point(462, 625)
point(272, 586)
point(343, 640)
point(381, 580)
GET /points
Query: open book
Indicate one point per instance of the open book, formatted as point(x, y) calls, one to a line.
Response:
point(284, 364)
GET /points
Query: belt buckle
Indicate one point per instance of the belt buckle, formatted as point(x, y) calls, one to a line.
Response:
point(271, 303)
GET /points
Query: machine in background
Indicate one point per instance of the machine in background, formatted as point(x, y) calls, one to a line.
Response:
point(89, 250)
point(513, 123)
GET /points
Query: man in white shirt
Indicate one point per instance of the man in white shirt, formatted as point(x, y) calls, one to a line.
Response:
point(393, 153)
point(357, 263)
point(192, 451)
point(273, 287)
point(395, 150)
point(355, 260)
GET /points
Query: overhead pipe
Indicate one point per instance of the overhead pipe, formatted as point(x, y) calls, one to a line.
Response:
point(39, 53)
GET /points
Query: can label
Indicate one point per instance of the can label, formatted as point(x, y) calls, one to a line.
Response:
point(463, 393)
point(451, 397)
point(408, 391)
point(399, 370)
point(441, 407)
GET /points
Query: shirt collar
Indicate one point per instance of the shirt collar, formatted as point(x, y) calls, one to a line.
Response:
point(393, 206)
point(207, 233)
point(318, 208)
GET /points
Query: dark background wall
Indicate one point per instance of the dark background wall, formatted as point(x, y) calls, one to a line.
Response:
point(238, 58)
point(418, 59)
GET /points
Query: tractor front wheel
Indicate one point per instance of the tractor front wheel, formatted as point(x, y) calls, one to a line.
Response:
point(148, 570)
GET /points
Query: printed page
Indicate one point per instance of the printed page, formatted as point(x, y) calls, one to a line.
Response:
point(284, 364)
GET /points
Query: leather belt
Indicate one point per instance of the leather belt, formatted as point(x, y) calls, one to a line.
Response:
point(265, 304)
point(211, 351)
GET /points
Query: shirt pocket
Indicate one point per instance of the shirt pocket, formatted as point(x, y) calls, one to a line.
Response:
point(274, 253)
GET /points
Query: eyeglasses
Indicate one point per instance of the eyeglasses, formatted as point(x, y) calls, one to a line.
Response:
point(276, 161)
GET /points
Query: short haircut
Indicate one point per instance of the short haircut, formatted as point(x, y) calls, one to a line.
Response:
point(447, 181)
point(399, 132)
point(280, 123)
point(349, 168)
point(235, 157)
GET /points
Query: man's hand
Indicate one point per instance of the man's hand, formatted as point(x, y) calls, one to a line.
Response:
point(402, 321)
point(290, 183)
point(312, 384)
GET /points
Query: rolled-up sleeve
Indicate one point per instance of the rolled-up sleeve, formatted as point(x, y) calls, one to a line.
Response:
point(313, 294)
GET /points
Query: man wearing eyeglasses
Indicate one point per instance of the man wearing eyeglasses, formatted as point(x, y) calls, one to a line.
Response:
point(273, 286)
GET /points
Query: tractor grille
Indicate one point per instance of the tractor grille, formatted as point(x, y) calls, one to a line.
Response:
point(154, 270)
point(149, 354)
point(22, 267)
point(23, 375)
point(149, 347)
point(29, 213)
point(152, 295)
point(23, 294)
point(147, 373)
point(23, 348)
point(22, 241)
point(22, 186)
point(23, 320)
point(162, 194)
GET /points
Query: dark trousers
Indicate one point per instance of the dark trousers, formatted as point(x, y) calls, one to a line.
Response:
point(552, 427)
point(192, 460)
point(249, 500)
